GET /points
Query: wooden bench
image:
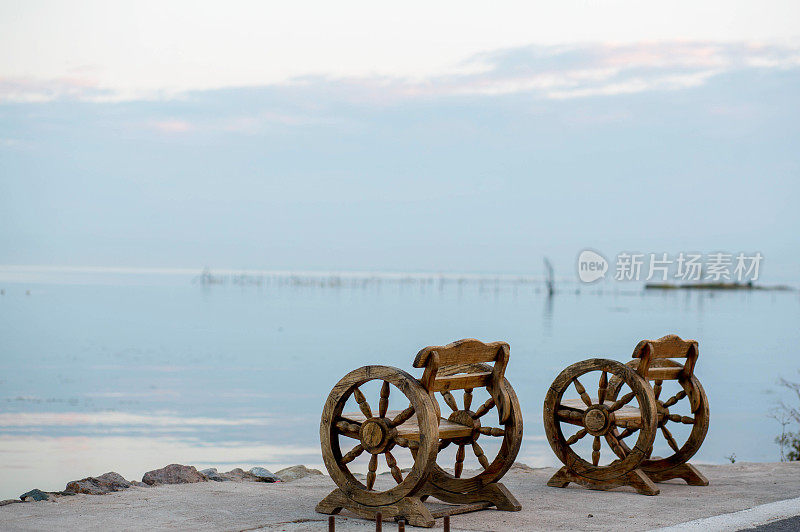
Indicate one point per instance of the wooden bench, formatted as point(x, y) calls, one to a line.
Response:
point(422, 431)
point(624, 405)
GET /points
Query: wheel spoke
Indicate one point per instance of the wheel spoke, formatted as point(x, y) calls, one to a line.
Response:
point(383, 405)
point(467, 398)
point(577, 436)
point(484, 408)
point(582, 392)
point(480, 455)
point(686, 420)
point(601, 388)
point(444, 443)
point(625, 433)
point(657, 388)
point(392, 463)
point(570, 415)
point(362, 403)
point(450, 400)
point(354, 453)
point(670, 440)
point(622, 401)
point(596, 451)
point(674, 399)
point(460, 453)
point(347, 428)
point(491, 431)
point(373, 466)
point(402, 417)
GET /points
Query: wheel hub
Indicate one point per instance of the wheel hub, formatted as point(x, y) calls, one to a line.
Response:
point(596, 420)
point(375, 435)
point(466, 418)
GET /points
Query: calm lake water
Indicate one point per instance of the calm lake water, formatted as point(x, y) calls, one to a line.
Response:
point(129, 372)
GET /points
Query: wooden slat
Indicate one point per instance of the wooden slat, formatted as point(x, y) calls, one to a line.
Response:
point(467, 351)
point(670, 346)
point(410, 431)
point(462, 382)
point(663, 374)
point(456, 509)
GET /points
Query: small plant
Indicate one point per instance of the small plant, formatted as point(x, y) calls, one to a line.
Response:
point(788, 441)
point(732, 458)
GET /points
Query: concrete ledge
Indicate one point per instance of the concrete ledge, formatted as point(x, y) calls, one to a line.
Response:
point(752, 517)
point(736, 489)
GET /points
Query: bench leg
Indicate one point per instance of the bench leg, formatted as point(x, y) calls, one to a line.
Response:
point(409, 508)
point(496, 494)
point(636, 479)
point(687, 472)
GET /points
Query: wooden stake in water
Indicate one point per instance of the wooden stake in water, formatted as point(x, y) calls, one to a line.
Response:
point(378, 522)
point(447, 523)
point(331, 523)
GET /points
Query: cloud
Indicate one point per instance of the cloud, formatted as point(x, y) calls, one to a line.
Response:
point(605, 69)
point(33, 90)
point(546, 72)
point(249, 124)
point(171, 126)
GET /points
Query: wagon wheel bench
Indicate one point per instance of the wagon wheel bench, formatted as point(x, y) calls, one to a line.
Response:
point(611, 417)
point(421, 430)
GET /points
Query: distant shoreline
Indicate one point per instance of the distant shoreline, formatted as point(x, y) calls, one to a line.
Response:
point(717, 286)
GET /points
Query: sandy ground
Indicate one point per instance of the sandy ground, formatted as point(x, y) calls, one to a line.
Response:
point(290, 506)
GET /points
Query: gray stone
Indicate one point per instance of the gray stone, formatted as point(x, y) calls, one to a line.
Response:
point(34, 495)
point(10, 501)
point(239, 475)
point(264, 475)
point(173, 474)
point(212, 474)
point(105, 483)
point(295, 472)
point(519, 466)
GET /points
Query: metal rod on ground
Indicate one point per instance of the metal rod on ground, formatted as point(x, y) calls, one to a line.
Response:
point(447, 523)
point(379, 522)
point(331, 523)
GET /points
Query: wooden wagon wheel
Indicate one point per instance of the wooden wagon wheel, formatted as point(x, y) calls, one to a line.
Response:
point(597, 417)
point(697, 403)
point(377, 435)
point(510, 431)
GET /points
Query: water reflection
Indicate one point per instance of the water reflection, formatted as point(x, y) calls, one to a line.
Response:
point(134, 374)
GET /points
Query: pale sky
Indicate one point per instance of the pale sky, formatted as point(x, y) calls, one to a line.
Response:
point(434, 136)
point(147, 48)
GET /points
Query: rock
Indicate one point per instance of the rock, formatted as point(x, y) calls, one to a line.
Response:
point(139, 484)
point(212, 474)
point(264, 475)
point(34, 495)
point(239, 475)
point(10, 501)
point(295, 472)
point(173, 474)
point(519, 466)
point(105, 483)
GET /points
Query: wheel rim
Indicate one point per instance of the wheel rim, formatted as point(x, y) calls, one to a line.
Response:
point(691, 392)
point(511, 432)
point(598, 416)
point(376, 435)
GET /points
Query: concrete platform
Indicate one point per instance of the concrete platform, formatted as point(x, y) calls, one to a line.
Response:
point(290, 506)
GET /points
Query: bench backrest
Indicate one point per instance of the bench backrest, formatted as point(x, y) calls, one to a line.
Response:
point(656, 357)
point(456, 367)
